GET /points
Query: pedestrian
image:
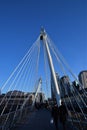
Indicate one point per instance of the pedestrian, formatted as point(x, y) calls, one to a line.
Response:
point(63, 115)
point(55, 115)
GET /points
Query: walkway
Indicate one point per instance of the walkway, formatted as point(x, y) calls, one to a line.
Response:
point(39, 120)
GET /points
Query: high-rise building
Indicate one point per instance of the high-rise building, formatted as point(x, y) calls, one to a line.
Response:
point(65, 87)
point(83, 78)
point(63, 84)
point(52, 85)
point(75, 86)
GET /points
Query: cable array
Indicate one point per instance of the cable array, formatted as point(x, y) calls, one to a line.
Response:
point(23, 83)
point(76, 101)
point(20, 83)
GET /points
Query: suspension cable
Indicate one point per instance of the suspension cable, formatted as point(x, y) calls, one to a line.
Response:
point(22, 62)
point(66, 64)
point(61, 66)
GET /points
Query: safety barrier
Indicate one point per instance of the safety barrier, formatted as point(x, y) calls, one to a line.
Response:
point(81, 124)
point(9, 120)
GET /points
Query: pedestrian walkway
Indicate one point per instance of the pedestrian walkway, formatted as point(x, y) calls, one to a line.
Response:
point(39, 120)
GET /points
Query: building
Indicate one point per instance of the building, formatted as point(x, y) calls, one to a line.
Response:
point(75, 86)
point(15, 93)
point(52, 86)
point(65, 87)
point(63, 84)
point(40, 98)
point(83, 78)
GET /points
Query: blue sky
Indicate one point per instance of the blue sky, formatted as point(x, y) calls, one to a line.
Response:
point(20, 22)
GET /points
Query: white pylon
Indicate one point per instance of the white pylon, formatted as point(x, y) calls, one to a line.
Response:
point(43, 36)
point(37, 90)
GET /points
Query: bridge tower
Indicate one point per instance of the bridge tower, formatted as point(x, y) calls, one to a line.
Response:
point(43, 37)
point(37, 89)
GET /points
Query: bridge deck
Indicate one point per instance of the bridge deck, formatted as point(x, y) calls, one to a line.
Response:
point(39, 120)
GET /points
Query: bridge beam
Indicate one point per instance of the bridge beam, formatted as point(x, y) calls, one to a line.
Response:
point(43, 36)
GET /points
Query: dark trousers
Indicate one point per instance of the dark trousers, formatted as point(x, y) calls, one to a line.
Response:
point(63, 125)
point(56, 123)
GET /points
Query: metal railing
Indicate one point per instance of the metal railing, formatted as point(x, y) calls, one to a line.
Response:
point(6, 124)
point(80, 122)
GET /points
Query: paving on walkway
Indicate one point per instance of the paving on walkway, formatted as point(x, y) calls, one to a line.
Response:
point(39, 120)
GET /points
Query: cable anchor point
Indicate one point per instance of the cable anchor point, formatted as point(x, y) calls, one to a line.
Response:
point(42, 33)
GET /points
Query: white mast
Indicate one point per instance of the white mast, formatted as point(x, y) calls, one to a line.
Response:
point(43, 36)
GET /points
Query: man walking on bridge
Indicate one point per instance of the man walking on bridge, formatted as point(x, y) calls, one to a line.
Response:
point(55, 115)
point(62, 115)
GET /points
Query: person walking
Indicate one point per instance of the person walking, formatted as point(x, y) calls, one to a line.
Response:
point(55, 115)
point(63, 115)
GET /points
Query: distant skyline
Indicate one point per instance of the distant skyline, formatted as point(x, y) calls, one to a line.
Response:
point(20, 23)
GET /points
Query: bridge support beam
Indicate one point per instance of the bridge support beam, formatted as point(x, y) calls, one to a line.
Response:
point(43, 37)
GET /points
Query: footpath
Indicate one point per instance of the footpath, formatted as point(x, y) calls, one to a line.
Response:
point(40, 120)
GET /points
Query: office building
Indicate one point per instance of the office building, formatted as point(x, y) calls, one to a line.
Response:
point(52, 86)
point(83, 78)
point(65, 87)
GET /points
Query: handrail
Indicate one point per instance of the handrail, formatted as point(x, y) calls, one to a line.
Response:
point(11, 120)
